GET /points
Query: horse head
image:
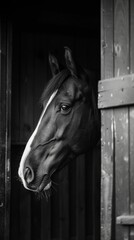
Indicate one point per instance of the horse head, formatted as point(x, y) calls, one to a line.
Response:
point(67, 127)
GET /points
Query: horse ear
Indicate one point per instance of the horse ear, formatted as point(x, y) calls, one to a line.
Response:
point(53, 64)
point(69, 61)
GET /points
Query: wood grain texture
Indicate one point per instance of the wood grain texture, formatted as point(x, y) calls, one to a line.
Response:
point(121, 50)
point(107, 64)
point(131, 119)
point(116, 92)
point(107, 156)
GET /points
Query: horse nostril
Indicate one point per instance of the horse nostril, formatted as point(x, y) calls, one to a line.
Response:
point(28, 175)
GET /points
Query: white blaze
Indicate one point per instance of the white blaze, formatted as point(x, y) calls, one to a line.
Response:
point(28, 145)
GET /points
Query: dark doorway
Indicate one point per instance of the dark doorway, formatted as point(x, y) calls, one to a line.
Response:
point(69, 213)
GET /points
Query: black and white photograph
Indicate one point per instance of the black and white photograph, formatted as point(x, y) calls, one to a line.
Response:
point(67, 120)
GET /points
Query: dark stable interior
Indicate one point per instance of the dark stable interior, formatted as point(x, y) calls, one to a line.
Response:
point(37, 31)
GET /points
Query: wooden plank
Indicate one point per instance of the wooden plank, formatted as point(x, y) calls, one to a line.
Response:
point(117, 91)
point(125, 220)
point(107, 154)
point(121, 61)
point(131, 119)
point(106, 122)
point(121, 168)
point(106, 39)
point(126, 81)
point(131, 140)
point(121, 38)
point(116, 98)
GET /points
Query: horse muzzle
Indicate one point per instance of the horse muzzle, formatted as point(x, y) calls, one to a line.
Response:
point(40, 184)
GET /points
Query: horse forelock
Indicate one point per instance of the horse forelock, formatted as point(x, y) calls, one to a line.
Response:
point(54, 84)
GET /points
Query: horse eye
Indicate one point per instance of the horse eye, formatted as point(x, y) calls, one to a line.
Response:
point(65, 108)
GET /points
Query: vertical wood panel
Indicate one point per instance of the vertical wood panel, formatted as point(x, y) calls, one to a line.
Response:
point(107, 157)
point(121, 51)
point(107, 153)
point(131, 129)
point(122, 169)
point(131, 117)
point(107, 39)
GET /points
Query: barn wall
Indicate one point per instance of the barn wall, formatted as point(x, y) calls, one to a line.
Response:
point(70, 212)
point(117, 122)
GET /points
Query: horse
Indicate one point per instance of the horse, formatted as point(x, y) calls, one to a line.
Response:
point(67, 127)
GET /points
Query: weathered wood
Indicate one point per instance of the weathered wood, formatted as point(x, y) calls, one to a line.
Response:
point(106, 122)
point(131, 142)
point(121, 167)
point(116, 92)
point(121, 51)
point(107, 154)
point(126, 81)
point(106, 39)
point(116, 98)
point(131, 119)
point(125, 220)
